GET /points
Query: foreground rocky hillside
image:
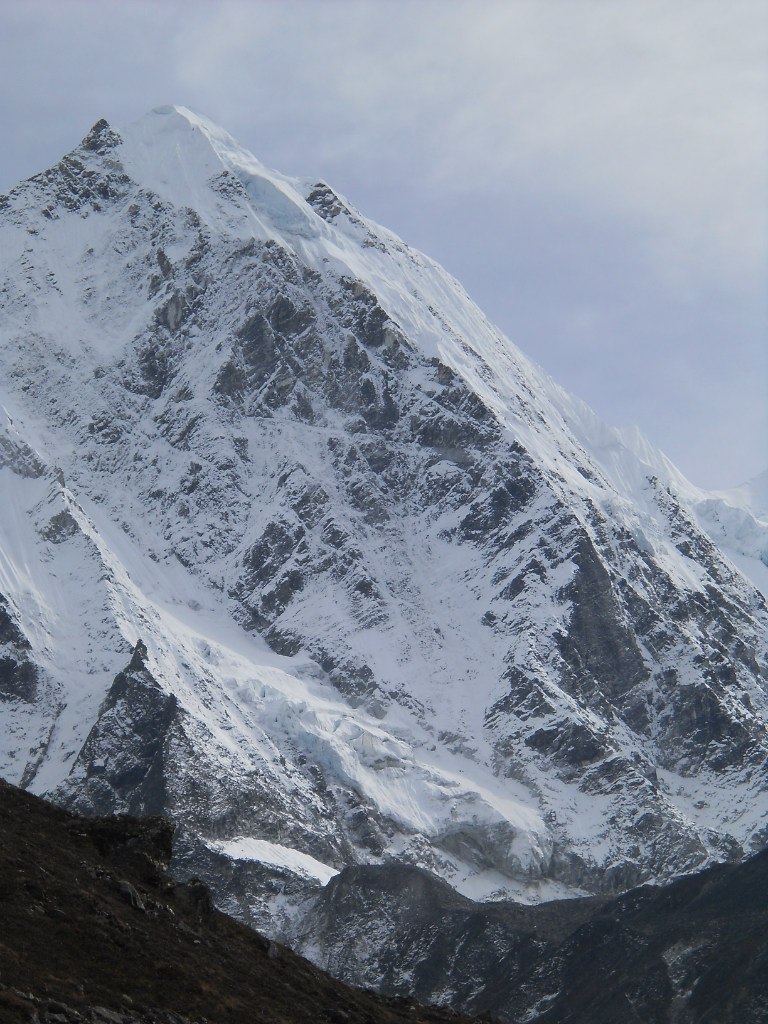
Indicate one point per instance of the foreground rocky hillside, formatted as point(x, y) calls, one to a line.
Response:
point(94, 930)
point(297, 549)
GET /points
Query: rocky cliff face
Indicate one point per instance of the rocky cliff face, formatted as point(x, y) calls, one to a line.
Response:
point(299, 550)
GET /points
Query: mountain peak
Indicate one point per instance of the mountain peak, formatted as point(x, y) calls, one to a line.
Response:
point(178, 120)
point(189, 161)
point(502, 646)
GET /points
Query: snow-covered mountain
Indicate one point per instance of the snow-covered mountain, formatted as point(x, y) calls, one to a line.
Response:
point(298, 548)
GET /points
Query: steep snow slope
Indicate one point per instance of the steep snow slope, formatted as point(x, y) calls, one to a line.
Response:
point(396, 592)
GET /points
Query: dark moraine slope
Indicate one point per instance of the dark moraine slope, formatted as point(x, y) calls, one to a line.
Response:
point(94, 930)
point(694, 951)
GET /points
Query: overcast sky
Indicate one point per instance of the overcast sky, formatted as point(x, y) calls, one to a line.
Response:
point(593, 171)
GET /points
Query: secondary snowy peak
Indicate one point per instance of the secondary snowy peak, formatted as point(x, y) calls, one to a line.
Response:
point(399, 595)
point(753, 495)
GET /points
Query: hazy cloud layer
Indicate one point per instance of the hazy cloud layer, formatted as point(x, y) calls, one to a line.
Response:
point(593, 171)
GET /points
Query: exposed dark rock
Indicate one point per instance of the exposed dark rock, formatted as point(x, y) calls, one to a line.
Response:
point(571, 742)
point(598, 646)
point(325, 201)
point(100, 138)
point(20, 458)
point(61, 527)
point(9, 629)
point(121, 766)
point(155, 362)
point(287, 319)
point(19, 676)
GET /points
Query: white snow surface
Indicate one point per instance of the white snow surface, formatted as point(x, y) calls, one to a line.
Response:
point(72, 304)
point(275, 855)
